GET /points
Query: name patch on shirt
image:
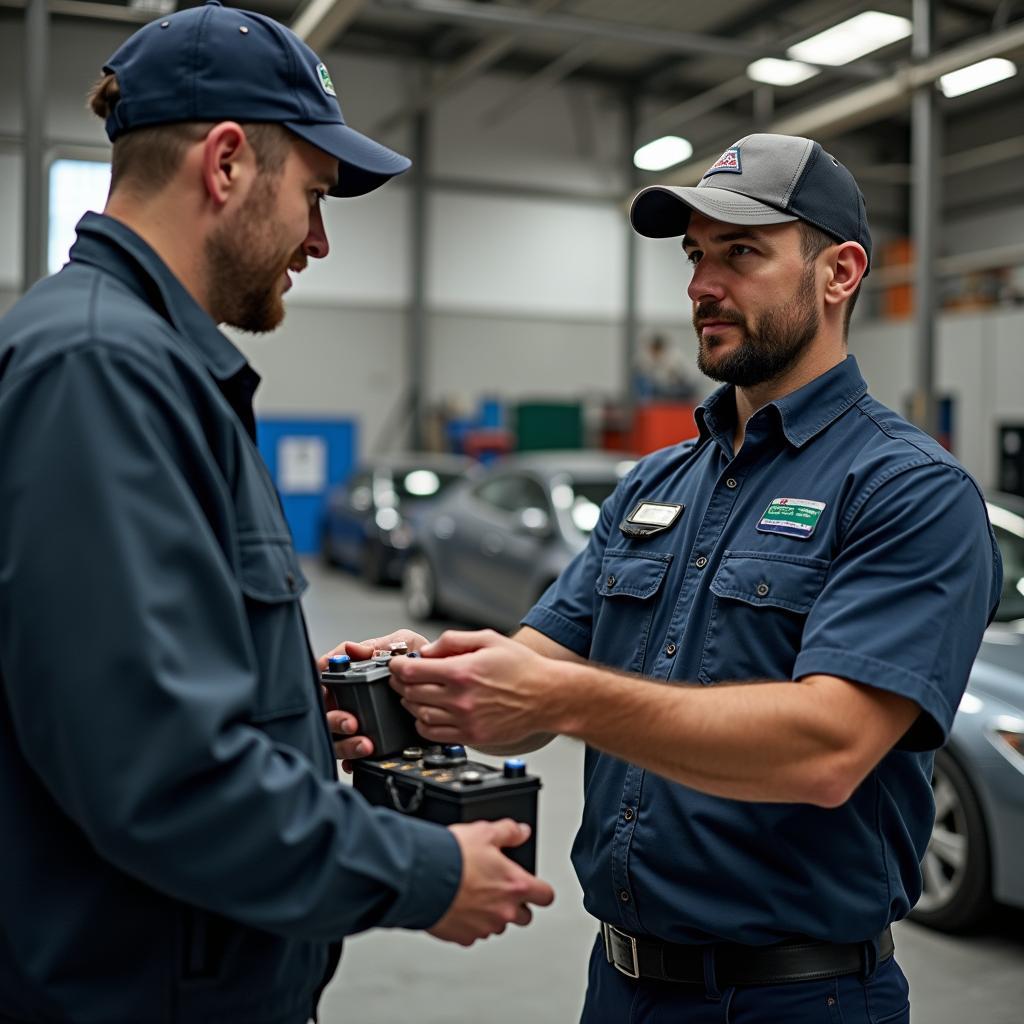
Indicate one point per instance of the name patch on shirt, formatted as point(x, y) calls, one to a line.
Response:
point(793, 517)
point(649, 518)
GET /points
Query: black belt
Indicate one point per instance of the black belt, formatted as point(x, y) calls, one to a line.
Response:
point(798, 960)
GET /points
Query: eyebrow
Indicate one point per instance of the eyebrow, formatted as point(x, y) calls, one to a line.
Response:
point(728, 236)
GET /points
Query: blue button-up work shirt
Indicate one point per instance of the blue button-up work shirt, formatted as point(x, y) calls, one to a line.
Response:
point(891, 585)
point(176, 846)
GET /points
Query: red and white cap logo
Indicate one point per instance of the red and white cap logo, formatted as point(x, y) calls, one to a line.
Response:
point(729, 161)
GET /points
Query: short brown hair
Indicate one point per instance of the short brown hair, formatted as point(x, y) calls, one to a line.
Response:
point(813, 242)
point(145, 159)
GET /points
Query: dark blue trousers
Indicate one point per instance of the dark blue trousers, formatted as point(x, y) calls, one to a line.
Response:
point(612, 998)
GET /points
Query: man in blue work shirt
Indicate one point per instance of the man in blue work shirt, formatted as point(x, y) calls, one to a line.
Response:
point(176, 846)
point(746, 847)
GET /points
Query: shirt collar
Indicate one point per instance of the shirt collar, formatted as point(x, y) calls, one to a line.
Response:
point(113, 247)
point(801, 414)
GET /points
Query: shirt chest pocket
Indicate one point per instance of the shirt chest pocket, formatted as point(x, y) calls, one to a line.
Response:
point(273, 584)
point(626, 592)
point(759, 606)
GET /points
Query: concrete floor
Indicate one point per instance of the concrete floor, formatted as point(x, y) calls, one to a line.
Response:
point(536, 974)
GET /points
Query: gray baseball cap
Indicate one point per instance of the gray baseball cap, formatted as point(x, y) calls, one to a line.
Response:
point(762, 179)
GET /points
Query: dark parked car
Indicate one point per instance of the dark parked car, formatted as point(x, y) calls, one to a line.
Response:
point(491, 546)
point(976, 855)
point(366, 519)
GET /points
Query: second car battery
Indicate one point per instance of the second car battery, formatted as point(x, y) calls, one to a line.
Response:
point(441, 785)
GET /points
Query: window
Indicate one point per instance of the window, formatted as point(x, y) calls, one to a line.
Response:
point(512, 493)
point(75, 186)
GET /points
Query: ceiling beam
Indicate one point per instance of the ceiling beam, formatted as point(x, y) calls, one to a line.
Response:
point(320, 22)
point(867, 103)
point(525, 21)
point(470, 66)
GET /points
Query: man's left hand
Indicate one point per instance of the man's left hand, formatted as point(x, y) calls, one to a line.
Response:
point(479, 688)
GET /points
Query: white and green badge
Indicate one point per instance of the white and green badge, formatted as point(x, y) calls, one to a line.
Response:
point(325, 79)
point(793, 517)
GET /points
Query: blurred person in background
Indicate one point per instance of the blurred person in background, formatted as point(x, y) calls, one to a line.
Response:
point(661, 372)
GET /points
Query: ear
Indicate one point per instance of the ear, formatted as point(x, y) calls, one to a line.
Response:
point(226, 161)
point(849, 262)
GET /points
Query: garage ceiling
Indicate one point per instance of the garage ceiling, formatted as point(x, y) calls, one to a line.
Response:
point(684, 62)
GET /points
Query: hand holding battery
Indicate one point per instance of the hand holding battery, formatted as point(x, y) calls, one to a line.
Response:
point(477, 687)
point(349, 743)
point(493, 892)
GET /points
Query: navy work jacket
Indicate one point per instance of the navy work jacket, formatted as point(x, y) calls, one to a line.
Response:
point(839, 540)
point(176, 846)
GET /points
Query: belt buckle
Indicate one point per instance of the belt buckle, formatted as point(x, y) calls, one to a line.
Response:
point(616, 942)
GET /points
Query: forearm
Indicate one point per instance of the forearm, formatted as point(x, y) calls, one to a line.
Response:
point(770, 741)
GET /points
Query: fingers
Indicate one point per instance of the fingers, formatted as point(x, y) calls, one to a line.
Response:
point(362, 650)
point(506, 832)
point(343, 724)
point(455, 641)
point(539, 893)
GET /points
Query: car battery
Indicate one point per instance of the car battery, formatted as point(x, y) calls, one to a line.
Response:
point(362, 689)
point(442, 785)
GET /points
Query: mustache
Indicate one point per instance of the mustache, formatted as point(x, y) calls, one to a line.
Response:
point(715, 311)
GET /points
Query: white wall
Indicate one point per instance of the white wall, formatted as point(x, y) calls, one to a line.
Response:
point(980, 363)
point(527, 235)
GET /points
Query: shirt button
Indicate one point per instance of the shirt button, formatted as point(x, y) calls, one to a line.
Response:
point(701, 562)
point(731, 483)
point(762, 590)
point(291, 581)
point(670, 650)
point(611, 581)
point(628, 814)
point(623, 896)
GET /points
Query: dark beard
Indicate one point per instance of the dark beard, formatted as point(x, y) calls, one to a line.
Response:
point(243, 265)
point(774, 344)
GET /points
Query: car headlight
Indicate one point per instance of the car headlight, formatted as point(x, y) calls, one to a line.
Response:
point(1006, 734)
point(400, 537)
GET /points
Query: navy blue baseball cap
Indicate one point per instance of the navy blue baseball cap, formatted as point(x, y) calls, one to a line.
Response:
point(216, 63)
point(762, 179)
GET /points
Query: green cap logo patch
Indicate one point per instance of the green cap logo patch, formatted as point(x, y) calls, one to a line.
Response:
point(325, 80)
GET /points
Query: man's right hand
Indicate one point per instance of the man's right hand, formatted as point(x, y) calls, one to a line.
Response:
point(494, 891)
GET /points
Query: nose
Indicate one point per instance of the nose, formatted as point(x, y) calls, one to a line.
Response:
point(705, 283)
point(316, 246)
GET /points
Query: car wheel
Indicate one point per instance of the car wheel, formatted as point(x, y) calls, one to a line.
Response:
point(957, 893)
point(419, 588)
point(327, 548)
point(372, 564)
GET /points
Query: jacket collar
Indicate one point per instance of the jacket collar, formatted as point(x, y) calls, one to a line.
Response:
point(800, 415)
point(114, 248)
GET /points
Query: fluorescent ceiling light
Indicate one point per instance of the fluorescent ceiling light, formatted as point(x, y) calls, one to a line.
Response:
point(773, 71)
point(977, 76)
point(852, 39)
point(667, 151)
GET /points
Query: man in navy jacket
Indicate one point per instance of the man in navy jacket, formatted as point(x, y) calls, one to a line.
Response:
point(176, 845)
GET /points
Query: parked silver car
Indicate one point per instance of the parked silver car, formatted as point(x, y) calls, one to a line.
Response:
point(975, 858)
point(365, 523)
point(491, 546)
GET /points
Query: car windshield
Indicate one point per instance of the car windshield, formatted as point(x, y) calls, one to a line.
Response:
point(1009, 530)
point(582, 500)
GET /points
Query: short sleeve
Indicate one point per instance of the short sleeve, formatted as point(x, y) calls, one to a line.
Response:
point(908, 597)
point(565, 611)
